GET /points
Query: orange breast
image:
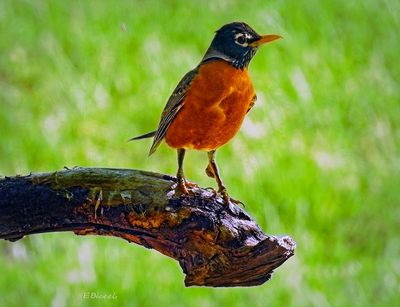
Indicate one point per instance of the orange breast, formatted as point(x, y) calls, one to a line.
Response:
point(214, 108)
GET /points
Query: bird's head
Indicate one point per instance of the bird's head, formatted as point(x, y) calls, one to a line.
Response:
point(237, 43)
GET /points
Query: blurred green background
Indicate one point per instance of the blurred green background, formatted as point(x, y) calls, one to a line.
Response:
point(318, 157)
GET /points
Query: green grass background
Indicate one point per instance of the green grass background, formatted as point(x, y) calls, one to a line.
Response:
point(318, 157)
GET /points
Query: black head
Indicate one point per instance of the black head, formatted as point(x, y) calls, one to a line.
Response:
point(237, 43)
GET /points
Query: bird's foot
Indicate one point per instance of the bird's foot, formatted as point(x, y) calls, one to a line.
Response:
point(237, 202)
point(227, 199)
point(190, 185)
point(212, 191)
point(183, 187)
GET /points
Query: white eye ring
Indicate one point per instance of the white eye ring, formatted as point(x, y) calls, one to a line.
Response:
point(241, 39)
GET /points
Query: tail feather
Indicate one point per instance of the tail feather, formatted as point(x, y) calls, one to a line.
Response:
point(144, 136)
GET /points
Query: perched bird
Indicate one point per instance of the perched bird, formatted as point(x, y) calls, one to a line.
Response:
point(208, 106)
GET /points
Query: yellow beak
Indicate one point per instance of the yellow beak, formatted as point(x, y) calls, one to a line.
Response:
point(265, 39)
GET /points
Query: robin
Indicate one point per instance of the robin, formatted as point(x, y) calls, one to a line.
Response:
point(208, 106)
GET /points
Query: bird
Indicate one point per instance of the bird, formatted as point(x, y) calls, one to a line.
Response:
point(209, 104)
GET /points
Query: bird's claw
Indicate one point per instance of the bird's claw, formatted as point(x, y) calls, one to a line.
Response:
point(181, 188)
point(237, 202)
point(190, 185)
point(184, 187)
point(212, 191)
point(227, 199)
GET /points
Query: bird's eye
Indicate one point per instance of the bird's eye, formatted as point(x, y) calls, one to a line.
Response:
point(241, 39)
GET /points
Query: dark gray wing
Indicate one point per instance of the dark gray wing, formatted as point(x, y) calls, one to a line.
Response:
point(174, 104)
point(253, 101)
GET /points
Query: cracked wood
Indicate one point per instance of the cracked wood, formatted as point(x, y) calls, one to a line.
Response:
point(215, 244)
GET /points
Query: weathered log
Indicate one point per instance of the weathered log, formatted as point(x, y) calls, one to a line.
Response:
point(216, 244)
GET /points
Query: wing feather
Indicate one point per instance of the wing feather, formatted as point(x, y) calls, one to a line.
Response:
point(253, 101)
point(171, 109)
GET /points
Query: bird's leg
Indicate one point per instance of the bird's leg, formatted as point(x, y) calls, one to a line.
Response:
point(181, 185)
point(212, 171)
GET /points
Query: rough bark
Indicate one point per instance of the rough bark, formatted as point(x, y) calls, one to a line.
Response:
point(215, 244)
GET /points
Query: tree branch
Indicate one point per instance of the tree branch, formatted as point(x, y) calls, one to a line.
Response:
point(215, 244)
